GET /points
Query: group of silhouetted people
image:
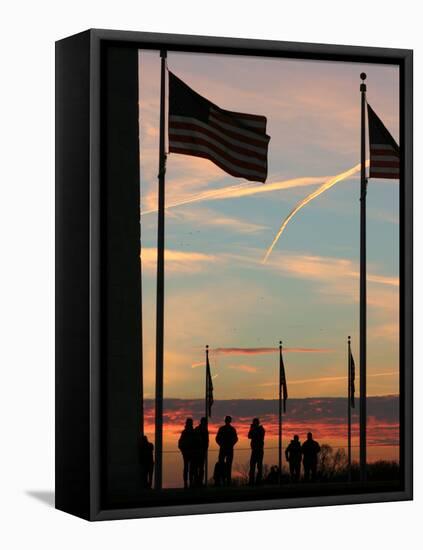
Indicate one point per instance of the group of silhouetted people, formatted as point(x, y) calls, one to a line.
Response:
point(227, 438)
point(307, 453)
point(194, 443)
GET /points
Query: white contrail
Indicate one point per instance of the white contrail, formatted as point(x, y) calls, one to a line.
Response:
point(243, 190)
point(324, 187)
point(206, 195)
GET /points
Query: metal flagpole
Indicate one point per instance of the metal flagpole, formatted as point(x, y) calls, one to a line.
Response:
point(206, 462)
point(363, 288)
point(160, 282)
point(141, 386)
point(349, 408)
point(280, 415)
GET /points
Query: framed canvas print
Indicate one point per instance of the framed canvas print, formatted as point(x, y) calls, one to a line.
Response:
point(233, 274)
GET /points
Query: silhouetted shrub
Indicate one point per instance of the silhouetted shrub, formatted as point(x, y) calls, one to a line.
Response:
point(383, 470)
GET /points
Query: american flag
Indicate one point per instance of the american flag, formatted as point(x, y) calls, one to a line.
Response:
point(282, 379)
point(384, 151)
point(209, 385)
point(236, 142)
point(352, 379)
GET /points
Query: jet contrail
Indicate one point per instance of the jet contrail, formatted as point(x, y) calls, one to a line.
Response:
point(206, 195)
point(243, 190)
point(324, 187)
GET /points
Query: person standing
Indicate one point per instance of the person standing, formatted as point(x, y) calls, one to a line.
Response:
point(226, 438)
point(293, 456)
point(186, 445)
point(256, 435)
point(310, 450)
point(146, 450)
point(202, 445)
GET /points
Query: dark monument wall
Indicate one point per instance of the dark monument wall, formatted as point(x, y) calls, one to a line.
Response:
point(72, 209)
point(121, 280)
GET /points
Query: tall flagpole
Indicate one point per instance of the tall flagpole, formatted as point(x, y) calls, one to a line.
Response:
point(349, 408)
point(142, 354)
point(363, 286)
point(280, 416)
point(160, 283)
point(206, 461)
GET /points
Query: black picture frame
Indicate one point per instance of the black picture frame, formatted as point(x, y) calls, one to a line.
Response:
point(87, 157)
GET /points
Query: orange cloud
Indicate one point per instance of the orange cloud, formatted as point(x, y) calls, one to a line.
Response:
point(207, 217)
point(177, 261)
point(326, 269)
point(244, 368)
point(338, 280)
point(387, 331)
point(379, 383)
point(338, 378)
point(196, 365)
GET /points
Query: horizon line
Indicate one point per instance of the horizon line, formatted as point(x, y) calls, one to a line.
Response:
point(272, 399)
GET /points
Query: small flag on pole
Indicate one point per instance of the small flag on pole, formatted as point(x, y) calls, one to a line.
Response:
point(352, 379)
point(236, 142)
point(384, 151)
point(209, 393)
point(282, 379)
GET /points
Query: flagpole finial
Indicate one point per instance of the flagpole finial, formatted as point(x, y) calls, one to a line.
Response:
point(363, 76)
point(280, 343)
point(349, 337)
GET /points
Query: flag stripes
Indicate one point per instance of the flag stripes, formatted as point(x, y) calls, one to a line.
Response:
point(282, 380)
point(209, 386)
point(236, 142)
point(184, 126)
point(352, 379)
point(384, 151)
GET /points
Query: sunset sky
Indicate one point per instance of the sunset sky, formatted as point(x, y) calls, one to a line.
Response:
point(325, 417)
point(218, 291)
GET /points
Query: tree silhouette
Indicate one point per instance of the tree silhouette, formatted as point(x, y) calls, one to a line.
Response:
point(332, 464)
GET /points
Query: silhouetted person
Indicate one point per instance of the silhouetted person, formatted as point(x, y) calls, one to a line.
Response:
point(226, 439)
point(310, 450)
point(201, 446)
point(186, 445)
point(293, 456)
point(256, 434)
point(147, 461)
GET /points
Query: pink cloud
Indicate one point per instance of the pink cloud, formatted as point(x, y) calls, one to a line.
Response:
point(260, 351)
